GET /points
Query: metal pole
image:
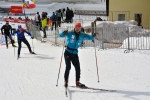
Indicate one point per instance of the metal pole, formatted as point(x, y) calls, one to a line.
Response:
point(96, 61)
point(60, 63)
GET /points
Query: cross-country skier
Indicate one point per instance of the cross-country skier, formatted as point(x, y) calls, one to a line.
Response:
point(7, 28)
point(21, 38)
point(73, 41)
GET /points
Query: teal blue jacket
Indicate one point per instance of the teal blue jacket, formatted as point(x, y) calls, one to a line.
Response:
point(73, 43)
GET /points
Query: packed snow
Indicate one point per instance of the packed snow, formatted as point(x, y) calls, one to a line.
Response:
point(34, 77)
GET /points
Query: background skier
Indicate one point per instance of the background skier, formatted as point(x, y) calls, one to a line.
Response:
point(7, 28)
point(21, 38)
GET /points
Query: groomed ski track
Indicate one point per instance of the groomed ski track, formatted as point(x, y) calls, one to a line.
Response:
point(34, 77)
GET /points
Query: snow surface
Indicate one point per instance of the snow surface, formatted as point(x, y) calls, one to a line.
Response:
point(34, 77)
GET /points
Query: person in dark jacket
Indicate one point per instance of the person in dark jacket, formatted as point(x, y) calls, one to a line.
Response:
point(139, 19)
point(37, 19)
point(59, 14)
point(68, 15)
point(73, 41)
point(54, 20)
point(7, 28)
point(21, 38)
point(71, 15)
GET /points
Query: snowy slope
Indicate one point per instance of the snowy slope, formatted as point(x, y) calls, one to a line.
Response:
point(34, 77)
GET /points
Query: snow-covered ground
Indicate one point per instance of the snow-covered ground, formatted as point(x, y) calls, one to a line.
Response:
point(34, 77)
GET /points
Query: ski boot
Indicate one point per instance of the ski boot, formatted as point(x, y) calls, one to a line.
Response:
point(32, 52)
point(18, 56)
point(6, 46)
point(45, 36)
point(80, 85)
point(66, 84)
point(14, 45)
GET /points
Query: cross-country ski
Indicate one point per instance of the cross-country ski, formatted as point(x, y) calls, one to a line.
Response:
point(90, 88)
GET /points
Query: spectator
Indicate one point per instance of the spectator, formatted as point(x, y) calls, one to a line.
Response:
point(37, 19)
point(44, 26)
point(71, 15)
point(54, 20)
point(7, 28)
point(68, 14)
point(59, 17)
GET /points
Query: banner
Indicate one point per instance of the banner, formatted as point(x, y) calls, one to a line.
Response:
point(16, 9)
point(16, 20)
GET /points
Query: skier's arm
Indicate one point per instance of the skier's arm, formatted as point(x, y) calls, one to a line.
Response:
point(88, 37)
point(2, 29)
point(27, 32)
point(11, 29)
point(13, 33)
point(64, 33)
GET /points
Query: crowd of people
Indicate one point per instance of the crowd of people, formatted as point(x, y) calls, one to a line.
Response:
point(55, 20)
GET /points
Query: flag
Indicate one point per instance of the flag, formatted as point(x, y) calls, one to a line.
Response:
point(16, 9)
point(29, 4)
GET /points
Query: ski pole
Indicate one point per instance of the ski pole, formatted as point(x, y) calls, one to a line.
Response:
point(60, 62)
point(32, 45)
point(14, 47)
point(96, 61)
point(14, 51)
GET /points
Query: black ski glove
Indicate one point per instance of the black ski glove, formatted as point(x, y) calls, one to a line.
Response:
point(65, 32)
point(94, 34)
point(93, 41)
point(32, 37)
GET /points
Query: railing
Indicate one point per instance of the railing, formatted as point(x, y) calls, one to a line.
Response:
point(129, 38)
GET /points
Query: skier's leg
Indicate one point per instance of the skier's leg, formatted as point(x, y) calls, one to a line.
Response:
point(6, 41)
point(12, 41)
point(76, 63)
point(44, 31)
point(19, 47)
point(28, 45)
point(68, 65)
point(52, 25)
point(55, 25)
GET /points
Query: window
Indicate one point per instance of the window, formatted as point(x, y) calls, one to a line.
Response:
point(121, 17)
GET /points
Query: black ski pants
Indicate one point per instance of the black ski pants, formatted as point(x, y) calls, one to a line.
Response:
point(44, 31)
point(12, 41)
point(75, 61)
point(25, 42)
point(54, 24)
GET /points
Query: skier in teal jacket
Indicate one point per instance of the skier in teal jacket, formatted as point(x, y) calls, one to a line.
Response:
point(73, 41)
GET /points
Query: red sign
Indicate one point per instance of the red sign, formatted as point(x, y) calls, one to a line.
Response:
point(16, 20)
point(16, 9)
